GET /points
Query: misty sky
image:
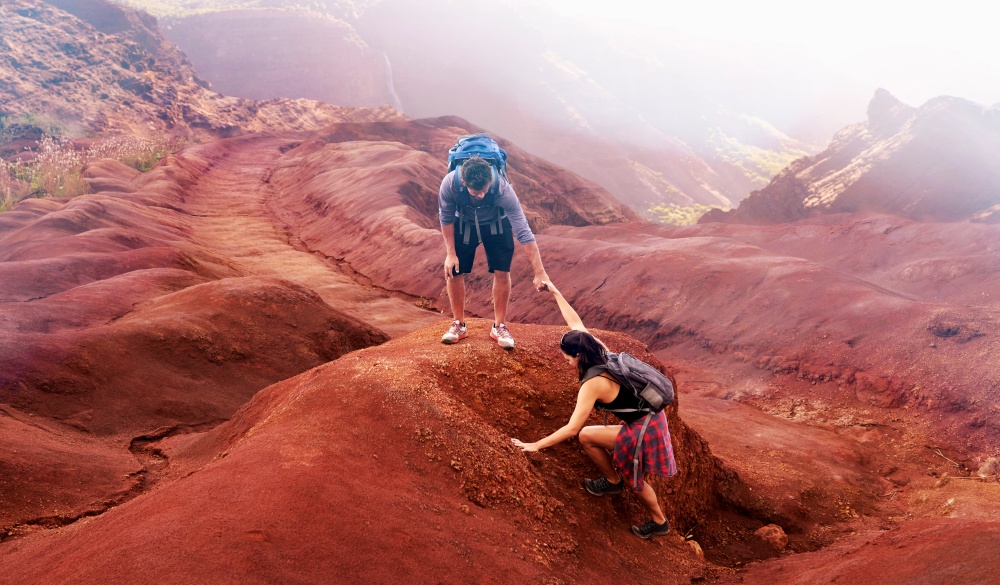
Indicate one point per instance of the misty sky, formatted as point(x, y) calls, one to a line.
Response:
point(917, 51)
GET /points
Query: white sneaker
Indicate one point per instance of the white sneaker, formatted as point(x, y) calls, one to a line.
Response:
point(503, 337)
point(455, 332)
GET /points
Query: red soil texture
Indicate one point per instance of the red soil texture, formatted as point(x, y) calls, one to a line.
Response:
point(390, 464)
point(187, 345)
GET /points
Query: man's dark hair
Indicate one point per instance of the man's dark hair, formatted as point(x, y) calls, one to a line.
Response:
point(477, 173)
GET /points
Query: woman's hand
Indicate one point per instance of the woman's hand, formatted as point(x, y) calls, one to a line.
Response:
point(526, 447)
point(547, 285)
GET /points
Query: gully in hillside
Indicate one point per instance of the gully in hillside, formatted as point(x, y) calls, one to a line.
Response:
point(640, 446)
point(477, 197)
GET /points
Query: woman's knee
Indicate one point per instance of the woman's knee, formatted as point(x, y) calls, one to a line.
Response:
point(597, 436)
point(587, 436)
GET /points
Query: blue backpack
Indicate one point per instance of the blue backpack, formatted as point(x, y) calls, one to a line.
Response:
point(483, 146)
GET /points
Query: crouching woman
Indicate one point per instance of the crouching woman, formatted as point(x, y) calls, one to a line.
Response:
point(599, 389)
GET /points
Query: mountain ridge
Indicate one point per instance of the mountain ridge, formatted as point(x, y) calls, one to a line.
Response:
point(932, 163)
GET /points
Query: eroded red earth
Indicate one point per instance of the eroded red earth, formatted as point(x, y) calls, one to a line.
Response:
point(187, 396)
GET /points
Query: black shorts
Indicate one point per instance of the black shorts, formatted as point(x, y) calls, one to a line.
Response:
point(499, 248)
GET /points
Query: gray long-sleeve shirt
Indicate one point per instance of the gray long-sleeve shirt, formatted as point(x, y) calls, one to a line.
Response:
point(506, 201)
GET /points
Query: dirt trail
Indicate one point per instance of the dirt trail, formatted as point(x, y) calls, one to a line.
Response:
point(235, 213)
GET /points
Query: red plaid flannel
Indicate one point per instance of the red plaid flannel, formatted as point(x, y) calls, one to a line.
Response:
point(656, 456)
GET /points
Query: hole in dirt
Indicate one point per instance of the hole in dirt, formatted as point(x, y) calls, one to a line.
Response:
point(944, 331)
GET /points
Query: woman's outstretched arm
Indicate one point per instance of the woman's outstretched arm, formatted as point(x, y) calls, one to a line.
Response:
point(570, 315)
point(584, 406)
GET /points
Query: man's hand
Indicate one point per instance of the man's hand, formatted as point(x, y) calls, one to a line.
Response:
point(540, 280)
point(450, 264)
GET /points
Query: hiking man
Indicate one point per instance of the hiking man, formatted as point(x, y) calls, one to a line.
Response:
point(477, 205)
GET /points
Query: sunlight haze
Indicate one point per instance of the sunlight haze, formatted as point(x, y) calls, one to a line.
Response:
point(915, 51)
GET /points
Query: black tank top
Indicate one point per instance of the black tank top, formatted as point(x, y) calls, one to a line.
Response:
point(624, 399)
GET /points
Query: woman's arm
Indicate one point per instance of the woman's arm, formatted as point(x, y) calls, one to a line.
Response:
point(570, 315)
point(584, 406)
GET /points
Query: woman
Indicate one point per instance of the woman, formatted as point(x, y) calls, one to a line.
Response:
point(585, 351)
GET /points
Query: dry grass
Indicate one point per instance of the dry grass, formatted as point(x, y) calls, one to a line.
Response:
point(57, 167)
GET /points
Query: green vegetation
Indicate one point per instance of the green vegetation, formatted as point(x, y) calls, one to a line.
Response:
point(759, 165)
point(13, 126)
point(673, 214)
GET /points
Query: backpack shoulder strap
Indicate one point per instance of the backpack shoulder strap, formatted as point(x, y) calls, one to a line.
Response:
point(463, 193)
point(594, 372)
point(494, 192)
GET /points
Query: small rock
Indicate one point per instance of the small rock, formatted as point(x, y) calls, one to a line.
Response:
point(990, 468)
point(943, 481)
point(697, 549)
point(774, 536)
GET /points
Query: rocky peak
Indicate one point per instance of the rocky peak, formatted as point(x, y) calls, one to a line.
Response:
point(886, 114)
point(935, 163)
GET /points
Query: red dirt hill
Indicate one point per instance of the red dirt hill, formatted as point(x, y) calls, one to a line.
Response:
point(389, 464)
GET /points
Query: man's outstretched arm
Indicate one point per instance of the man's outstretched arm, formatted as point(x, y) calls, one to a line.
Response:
point(536, 263)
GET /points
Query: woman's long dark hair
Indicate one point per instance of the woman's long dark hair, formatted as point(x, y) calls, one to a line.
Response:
point(585, 346)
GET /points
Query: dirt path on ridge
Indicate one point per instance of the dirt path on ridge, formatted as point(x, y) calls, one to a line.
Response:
point(232, 212)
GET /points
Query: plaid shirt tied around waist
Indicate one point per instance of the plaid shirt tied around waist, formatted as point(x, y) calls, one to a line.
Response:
point(656, 455)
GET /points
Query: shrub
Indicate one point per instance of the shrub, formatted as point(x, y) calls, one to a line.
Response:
point(8, 189)
point(57, 169)
point(673, 214)
point(139, 153)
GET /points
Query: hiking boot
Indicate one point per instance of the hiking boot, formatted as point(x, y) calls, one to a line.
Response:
point(455, 332)
point(601, 486)
point(503, 337)
point(649, 529)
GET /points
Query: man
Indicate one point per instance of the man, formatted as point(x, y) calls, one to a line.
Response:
point(480, 207)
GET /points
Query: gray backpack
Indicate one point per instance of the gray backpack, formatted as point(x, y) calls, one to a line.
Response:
point(654, 391)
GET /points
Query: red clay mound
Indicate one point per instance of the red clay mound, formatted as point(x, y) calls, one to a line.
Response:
point(189, 357)
point(392, 464)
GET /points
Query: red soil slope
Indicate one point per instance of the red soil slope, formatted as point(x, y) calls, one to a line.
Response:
point(124, 316)
point(390, 464)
